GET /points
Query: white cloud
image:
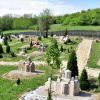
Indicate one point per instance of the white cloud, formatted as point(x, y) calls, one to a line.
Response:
point(35, 7)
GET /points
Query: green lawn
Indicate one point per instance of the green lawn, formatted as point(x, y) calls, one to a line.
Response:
point(60, 27)
point(94, 56)
point(10, 92)
point(16, 31)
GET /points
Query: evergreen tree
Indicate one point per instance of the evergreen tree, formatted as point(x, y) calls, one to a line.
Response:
point(61, 48)
point(84, 83)
point(51, 34)
point(18, 81)
point(65, 34)
point(72, 64)
point(31, 44)
point(5, 40)
point(1, 35)
point(1, 49)
point(99, 80)
point(7, 49)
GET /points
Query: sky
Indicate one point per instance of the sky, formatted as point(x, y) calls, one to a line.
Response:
point(58, 7)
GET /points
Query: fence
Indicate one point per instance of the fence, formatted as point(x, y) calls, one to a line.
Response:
point(85, 33)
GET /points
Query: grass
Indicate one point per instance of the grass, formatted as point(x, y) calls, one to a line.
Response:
point(10, 92)
point(60, 27)
point(16, 31)
point(94, 56)
point(45, 41)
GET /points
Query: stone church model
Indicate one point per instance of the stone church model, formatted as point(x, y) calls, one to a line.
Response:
point(26, 66)
point(66, 84)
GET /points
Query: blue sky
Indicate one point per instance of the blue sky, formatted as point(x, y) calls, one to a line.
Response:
point(58, 7)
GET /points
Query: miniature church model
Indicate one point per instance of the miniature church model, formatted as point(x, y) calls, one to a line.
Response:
point(26, 66)
point(64, 85)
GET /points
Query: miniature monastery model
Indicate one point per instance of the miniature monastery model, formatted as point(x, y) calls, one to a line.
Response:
point(66, 38)
point(27, 66)
point(64, 85)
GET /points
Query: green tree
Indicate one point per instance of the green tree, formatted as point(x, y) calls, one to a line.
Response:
point(5, 40)
point(22, 23)
point(84, 83)
point(66, 33)
point(7, 49)
point(51, 34)
point(2, 35)
point(53, 54)
point(1, 49)
point(31, 44)
point(72, 64)
point(99, 79)
point(61, 48)
point(45, 20)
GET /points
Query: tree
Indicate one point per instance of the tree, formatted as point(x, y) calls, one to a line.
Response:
point(53, 54)
point(99, 79)
point(22, 40)
point(1, 35)
point(1, 49)
point(72, 64)
point(31, 44)
point(61, 48)
point(45, 20)
point(51, 34)
point(84, 83)
point(7, 49)
point(5, 40)
point(66, 31)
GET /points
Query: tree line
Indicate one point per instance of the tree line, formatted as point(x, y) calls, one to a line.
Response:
point(46, 18)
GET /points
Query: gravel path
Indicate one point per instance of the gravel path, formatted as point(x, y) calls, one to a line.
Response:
point(38, 63)
point(83, 53)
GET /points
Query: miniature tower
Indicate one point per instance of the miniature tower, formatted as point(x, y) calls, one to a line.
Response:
point(71, 87)
point(77, 86)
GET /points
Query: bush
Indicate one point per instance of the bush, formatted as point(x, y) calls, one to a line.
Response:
point(61, 48)
point(84, 83)
point(39, 38)
point(18, 81)
point(7, 49)
point(12, 54)
point(22, 39)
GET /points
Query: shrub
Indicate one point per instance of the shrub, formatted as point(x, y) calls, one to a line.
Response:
point(39, 38)
point(18, 81)
point(12, 54)
point(61, 48)
point(7, 49)
point(22, 39)
point(84, 83)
